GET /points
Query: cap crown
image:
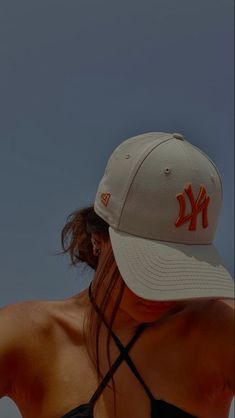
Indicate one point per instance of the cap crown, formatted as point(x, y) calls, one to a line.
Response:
point(159, 186)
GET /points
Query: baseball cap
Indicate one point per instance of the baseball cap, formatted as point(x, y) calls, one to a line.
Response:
point(161, 197)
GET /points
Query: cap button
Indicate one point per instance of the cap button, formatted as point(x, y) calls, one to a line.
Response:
point(178, 136)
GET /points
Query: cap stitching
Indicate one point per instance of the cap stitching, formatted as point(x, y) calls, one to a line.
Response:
point(149, 152)
point(216, 169)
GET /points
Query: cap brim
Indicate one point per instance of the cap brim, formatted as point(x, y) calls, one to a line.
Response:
point(159, 270)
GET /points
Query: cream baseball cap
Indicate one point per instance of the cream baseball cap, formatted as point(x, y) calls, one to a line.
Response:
point(161, 197)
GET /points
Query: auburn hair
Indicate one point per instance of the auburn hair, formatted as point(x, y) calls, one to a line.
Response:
point(76, 241)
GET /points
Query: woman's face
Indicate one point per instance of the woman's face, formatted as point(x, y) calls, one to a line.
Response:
point(131, 305)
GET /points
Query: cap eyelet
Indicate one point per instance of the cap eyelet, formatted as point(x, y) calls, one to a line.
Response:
point(167, 170)
point(128, 156)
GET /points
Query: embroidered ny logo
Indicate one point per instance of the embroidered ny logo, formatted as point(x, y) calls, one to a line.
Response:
point(197, 206)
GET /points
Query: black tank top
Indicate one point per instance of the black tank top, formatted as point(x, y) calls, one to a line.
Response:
point(159, 408)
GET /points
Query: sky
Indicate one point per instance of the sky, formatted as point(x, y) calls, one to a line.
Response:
point(76, 79)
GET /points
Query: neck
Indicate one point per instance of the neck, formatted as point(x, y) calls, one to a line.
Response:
point(122, 320)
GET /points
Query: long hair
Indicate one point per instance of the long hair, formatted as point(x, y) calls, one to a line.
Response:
point(76, 241)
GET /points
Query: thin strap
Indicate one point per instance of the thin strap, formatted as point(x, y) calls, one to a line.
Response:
point(123, 349)
point(115, 366)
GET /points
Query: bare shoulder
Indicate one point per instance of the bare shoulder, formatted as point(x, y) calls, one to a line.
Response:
point(16, 315)
point(212, 317)
point(45, 319)
point(209, 323)
point(211, 310)
point(220, 313)
point(19, 325)
point(217, 335)
point(24, 319)
point(32, 331)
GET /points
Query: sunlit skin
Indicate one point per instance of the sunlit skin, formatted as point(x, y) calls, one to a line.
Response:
point(185, 354)
point(142, 309)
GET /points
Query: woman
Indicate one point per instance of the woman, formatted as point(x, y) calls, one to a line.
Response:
point(152, 336)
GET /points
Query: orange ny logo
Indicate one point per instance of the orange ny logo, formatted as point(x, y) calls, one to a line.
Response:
point(197, 206)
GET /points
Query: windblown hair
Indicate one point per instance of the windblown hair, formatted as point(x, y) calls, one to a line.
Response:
point(76, 241)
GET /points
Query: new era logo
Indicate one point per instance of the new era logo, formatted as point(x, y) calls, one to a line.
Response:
point(105, 198)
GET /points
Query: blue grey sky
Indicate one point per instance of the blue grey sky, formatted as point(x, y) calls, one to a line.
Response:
point(76, 79)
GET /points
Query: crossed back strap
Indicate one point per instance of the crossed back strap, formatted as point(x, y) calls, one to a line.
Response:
point(123, 354)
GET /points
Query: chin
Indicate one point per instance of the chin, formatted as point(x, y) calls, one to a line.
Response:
point(148, 317)
point(148, 314)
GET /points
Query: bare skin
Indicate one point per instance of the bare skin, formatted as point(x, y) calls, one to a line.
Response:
point(185, 356)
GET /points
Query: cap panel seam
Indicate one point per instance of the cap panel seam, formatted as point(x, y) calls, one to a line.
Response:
point(216, 169)
point(132, 180)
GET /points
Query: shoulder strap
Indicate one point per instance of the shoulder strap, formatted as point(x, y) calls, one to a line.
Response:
point(115, 366)
point(124, 350)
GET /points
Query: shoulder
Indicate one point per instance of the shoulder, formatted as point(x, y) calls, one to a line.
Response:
point(19, 330)
point(23, 320)
point(28, 325)
point(41, 317)
point(207, 328)
point(211, 311)
point(17, 315)
point(32, 331)
point(210, 325)
point(218, 337)
point(212, 318)
point(220, 316)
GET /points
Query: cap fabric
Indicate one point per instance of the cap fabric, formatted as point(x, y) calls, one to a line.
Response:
point(161, 197)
